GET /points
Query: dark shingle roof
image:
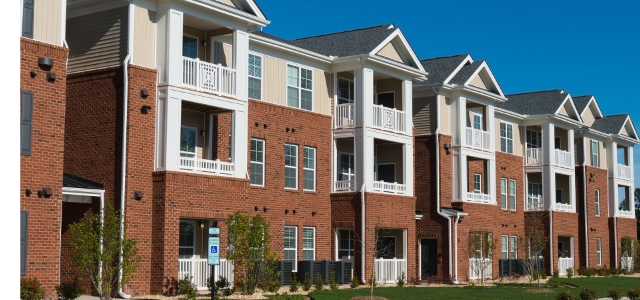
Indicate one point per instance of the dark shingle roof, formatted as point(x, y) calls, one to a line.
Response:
point(73, 181)
point(439, 68)
point(465, 72)
point(581, 102)
point(610, 124)
point(534, 103)
point(346, 43)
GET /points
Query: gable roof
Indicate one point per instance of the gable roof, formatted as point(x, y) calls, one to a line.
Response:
point(440, 68)
point(466, 72)
point(73, 181)
point(346, 43)
point(611, 124)
point(535, 103)
point(581, 102)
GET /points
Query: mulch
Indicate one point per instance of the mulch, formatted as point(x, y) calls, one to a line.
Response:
point(540, 291)
point(368, 298)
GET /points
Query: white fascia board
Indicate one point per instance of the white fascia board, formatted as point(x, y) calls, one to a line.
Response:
point(468, 59)
point(595, 134)
point(82, 192)
point(475, 91)
point(276, 44)
point(624, 140)
point(573, 106)
point(508, 113)
point(593, 101)
point(409, 71)
point(485, 66)
point(628, 120)
point(254, 7)
point(229, 11)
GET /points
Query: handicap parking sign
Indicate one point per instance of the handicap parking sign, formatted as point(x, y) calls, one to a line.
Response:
point(214, 249)
point(213, 257)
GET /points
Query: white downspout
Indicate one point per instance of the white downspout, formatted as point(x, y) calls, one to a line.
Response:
point(125, 109)
point(551, 239)
point(615, 236)
point(456, 247)
point(586, 217)
point(102, 226)
point(364, 280)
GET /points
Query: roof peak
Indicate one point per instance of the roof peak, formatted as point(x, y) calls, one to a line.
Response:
point(389, 26)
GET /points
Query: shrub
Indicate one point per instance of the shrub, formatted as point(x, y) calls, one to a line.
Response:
point(69, 290)
point(222, 285)
point(614, 294)
point(271, 284)
point(569, 272)
point(318, 283)
point(333, 283)
point(633, 294)
point(604, 271)
point(556, 273)
point(185, 287)
point(30, 289)
point(354, 282)
point(535, 274)
point(564, 295)
point(294, 284)
point(581, 271)
point(306, 286)
point(588, 294)
point(402, 280)
point(543, 273)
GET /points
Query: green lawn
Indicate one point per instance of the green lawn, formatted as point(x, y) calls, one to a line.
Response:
point(600, 284)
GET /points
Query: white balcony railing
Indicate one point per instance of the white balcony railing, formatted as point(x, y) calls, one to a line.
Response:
point(344, 115)
point(344, 186)
point(535, 206)
point(626, 214)
point(389, 118)
point(205, 165)
point(563, 264)
point(564, 207)
point(388, 270)
point(475, 266)
point(199, 271)
point(477, 139)
point(208, 77)
point(389, 187)
point(623, 172)
point(534, 157)
point(562, 158)
point(479, 198)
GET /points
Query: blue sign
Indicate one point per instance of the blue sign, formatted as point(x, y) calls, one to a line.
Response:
point(213, 257)
point(214, 230)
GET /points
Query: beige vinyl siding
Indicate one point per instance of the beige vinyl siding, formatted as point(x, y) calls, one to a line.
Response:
point(322, 94)
point(563, 111)
point(47, 21)
point(425, 119)
point(344, 145)
point(445, 115)
point(390, 153)
point(602, 154)
point(478, 82)
point(391, 52)
point(518, 138)
point(624, 131)
point(562, 182)
point(144, 37)
point(274, 77)
point(195, 119)
point(197, 33)
point(588, 117)
point(228, 2)
point(97, 40)
point(390, 85)
point(223, 54)
point(578, 151)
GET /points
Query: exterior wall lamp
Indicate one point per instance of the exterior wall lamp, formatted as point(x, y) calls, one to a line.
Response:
point(447, 146)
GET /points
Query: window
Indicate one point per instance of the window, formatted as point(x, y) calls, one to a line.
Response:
point(189, 46)
point(512, 194)
point(345, 244)
point(533, 197)
point(505, 247)
point(346, 170)
point(506, 137)
point(557, 142)
point(308, 243)
point(477, 121)
point(257, 162)
point(503, 193)
point(477, 183)
point(26, 120)
point(534, 139)
point(255, 77)
point(27, 18)
point(345, 91)
point(513, 247)
point(595, 148)
point(291, 245)
point(597, 196)
point(187, 239)
point(386, 247)
point(479, 237)
point(188, 141)
point(299, 87)
point(599, 251)
point(309, 169)
point(290, 166)
point(558, 195)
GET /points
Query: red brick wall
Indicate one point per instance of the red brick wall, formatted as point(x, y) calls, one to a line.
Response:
point(565, 224)
point(626, 227)
point(44, 167)
point(221, 132)
point(71, 213)
point(597, 226)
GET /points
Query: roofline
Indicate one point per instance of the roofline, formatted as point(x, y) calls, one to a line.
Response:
point(387, 61)
point(534, 92)
point(256, 8)
point(592, 99)
point(288, 47)
point(625, 138)
point(447, 56)
point(343, 31)
point(509, 113)
point(632, 126)
point(259, 22)
point(479, 91)
point(477, 71)
point(592, 131)
point(457, 69)
point(388, 39)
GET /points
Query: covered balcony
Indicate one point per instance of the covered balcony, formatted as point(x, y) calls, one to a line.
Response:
point(477, 132)
point(565, 254)
point(390, 261)
point(623, 169)
point(564, 193)
point(477, 190)
point(535, 200)
point(625, 205)
point(560, 155)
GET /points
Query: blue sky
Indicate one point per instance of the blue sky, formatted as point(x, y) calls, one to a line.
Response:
point(583, 47)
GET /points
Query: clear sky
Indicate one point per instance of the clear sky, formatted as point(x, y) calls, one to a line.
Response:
point(583, 47)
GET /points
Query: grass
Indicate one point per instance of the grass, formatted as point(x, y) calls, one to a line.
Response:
point(599, 284)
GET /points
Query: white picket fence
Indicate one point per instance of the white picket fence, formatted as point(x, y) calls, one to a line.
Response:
point(564, 263)
point(389, 269)
point(475, 265)
point(199, 271)
point(345, 115)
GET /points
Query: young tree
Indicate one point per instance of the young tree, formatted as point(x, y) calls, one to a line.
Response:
point(533, 243)
point(253, 261)
point(481, 246)
point(96, 247)
point(377, 248)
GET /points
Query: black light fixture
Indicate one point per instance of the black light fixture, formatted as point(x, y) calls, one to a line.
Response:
point(592, 174)
point(287, 129)
point(255, 208)
point(145, 109)
point(447, 146)
point(33, 74)
point(286, 211)
point(45, 62)
point(265, 209)
point(138, 195)
point(313, 213)
point(144, 93)
point(51, 76)
point(28, 192)
point(45, 192)
point(257, 124)
point(204, 43)
point(295, 211)
point(265, 126)
point(293, 130)
point(515, 226)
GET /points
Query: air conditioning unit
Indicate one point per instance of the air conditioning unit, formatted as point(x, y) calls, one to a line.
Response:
point(343, 271)
point(286, 272)
point(312, 267)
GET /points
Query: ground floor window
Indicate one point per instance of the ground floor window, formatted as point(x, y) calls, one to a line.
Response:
point(187, 241)
point(308, 243)
point(291, 245)
point(345, 243)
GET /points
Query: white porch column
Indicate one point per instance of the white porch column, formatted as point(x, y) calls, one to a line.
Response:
point(173, 128)
point(548, 153)
point(570, 134)
point(173, 47)
point(407, 157)
point(630, 163)
point(364, 97)
point(363, 156)
point(491, 127)
point(461, 126)
point(462, 176)
point(548, 187)
point(241, 63)
point(572, 191)
point(239, 143)
point(611, 150)
point(491, 178)
point(407, 106)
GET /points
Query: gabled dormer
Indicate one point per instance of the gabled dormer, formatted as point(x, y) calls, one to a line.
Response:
point(476, 74)
point(568, 109)
point(588, 108)
point(248, 6)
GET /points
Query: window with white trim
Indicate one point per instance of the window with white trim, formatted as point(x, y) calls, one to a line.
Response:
point(290, 166)
point(308, 243)
point(512, 194)
point(477, 121)
point(186, 241)
point(189, 46)
point(299, 87)
point(291, 245)
point(599, 251)
point(533, 196)
point(505, 247)
point(257, 162)
point(595, 149)
point(477, 183)
point(513, 246)
point(309, 169)
point(346, 166)
point(597, 196)
point(255, 77)
point(346, 92)
point(503, 193)
point(506, 137)
point(345, 243)
point(188, 141)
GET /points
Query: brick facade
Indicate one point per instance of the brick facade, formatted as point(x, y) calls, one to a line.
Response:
point(597, 225)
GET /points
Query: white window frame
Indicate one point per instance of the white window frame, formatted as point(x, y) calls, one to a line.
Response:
point(291, 167)
point(352, 174)
point(386, 92)
point(597, 199)
point(193, 248)
point(395, 178)
point(305, 168)
point(507, 140)
point(295, 249)
point(504, 198)
point(531, 140)
point(478, 175)
point(195, 146)
point(299, 86)
point(197, 45)
point(257, 162)
point(530, 196)
point(599, 251)
point(513, 199)
point(595, 155)
point(350, 83)
point(473, 121)
point(513, 247)
point(504, 241)
point(313, 249)
point(351, 242)
point(261, 73)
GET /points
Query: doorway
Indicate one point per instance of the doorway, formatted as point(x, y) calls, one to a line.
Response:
point(428, 258)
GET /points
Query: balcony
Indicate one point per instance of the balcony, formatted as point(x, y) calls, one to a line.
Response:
point(534, 157)
point(389, 119)
point(344, 186)
point(344, 116)
point(564, 207)
point(207, 77)
point(564, 263)
point(389, 187)
point(477, 139)
point(389, 269)
point(207, 166)
point(535, 206)
point(562, 158)
point(623, 172)
point(479, 198)
point(626, 214)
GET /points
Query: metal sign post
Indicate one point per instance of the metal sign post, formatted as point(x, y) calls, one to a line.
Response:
point(213, 257)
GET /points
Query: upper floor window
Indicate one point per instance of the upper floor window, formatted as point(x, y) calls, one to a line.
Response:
point(506, 137)
point(290, 166)
point(346, 92)
point(309, 175)
point(477, 183)
point(477, 121)
point(255, 77)
point(512, 194)
point(595, 150)
point(503, 193)
point(346, 166)
point(299, 87)
point(597, 196)
point(534, 139)
point(257, 162)
point(189, 46)
point(188, 141)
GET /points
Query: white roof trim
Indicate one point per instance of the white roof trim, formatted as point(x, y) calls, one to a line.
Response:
point(633, 128)
point(255, 9)
point(485, 66)
point(277, 44)
point(405, 44)
point(82, 192)
point(468, 59)
point(593, 100)
point(575, 110)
